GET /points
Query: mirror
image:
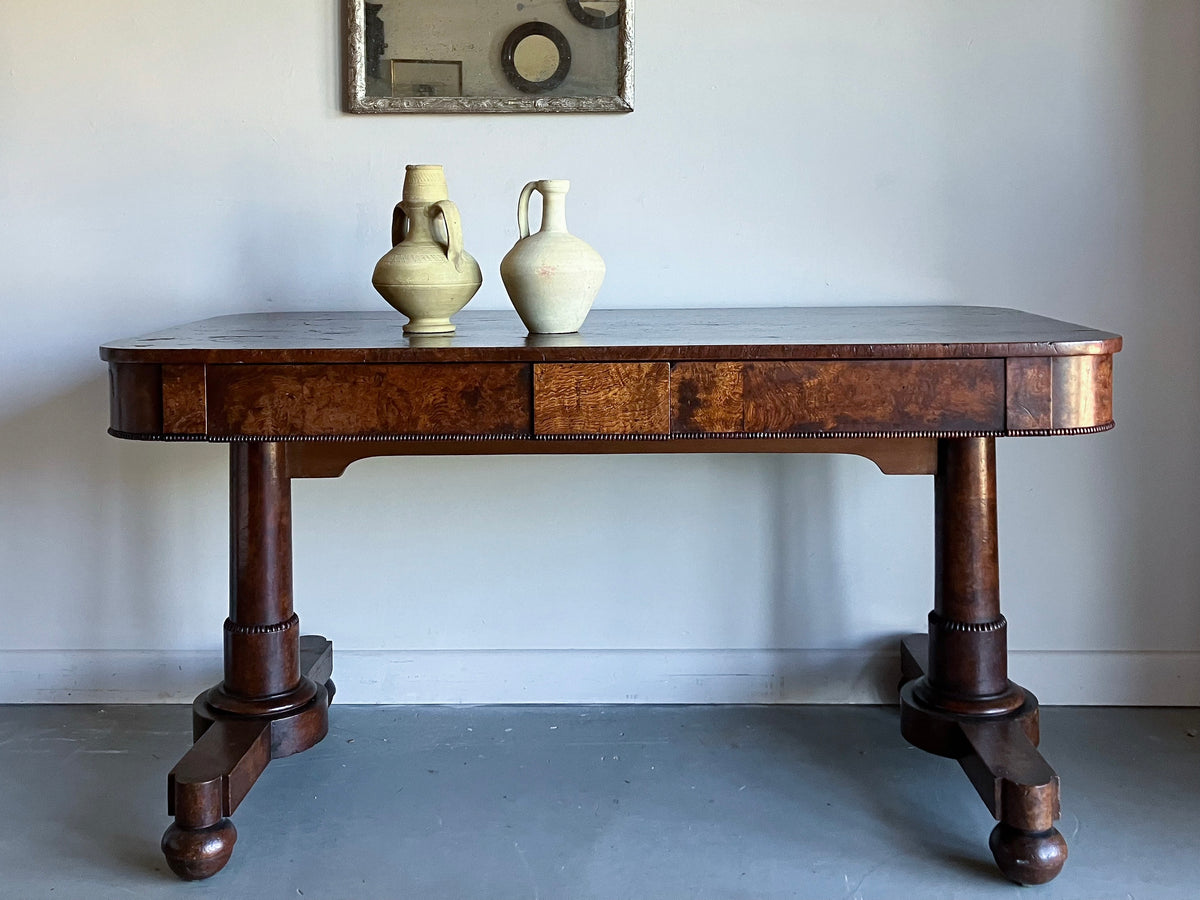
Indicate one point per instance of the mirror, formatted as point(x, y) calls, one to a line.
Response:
point(489, 56)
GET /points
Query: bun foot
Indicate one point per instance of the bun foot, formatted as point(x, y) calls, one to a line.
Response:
point(1028, 857)
point(196, 853)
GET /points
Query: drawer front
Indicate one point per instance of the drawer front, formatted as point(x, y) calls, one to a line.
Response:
point(319, 400)
point(853, 396)
point(601, 398)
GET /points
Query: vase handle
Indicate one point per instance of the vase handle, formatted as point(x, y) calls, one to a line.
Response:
point(523, 209)
point(454, 252)
point(399, 224)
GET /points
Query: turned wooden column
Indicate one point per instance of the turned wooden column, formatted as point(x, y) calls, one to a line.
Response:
point(262, 633)
point(956, 699)
point(968, 637)
point(274, 699)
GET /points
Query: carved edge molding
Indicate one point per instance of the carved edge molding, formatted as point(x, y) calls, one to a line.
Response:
point(549, 438)
point(274, 628)
point(357, 100)
point(944, 624)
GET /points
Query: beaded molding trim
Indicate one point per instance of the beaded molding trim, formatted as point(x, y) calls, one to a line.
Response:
point(755, 435)
point(944, 624)
point(273, 628)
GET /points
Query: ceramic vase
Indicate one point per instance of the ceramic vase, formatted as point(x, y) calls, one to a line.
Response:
point(552, 277)
point(427, 275)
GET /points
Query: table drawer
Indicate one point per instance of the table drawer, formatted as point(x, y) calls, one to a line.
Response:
point(852, 396)
point(412, 398)
point(602, 398)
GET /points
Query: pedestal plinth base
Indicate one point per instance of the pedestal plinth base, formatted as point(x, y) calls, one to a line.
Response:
point(230, 751)
point(999, 754)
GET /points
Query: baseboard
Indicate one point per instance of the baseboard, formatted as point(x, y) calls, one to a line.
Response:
point(596, 676)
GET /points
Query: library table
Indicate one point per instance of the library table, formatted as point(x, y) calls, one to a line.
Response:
point(918, 390)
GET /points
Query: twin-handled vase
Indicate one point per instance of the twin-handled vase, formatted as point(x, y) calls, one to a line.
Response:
point(552, 277)
point(427, 275)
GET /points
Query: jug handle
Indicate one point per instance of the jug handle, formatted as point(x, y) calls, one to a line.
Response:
point(523, 209)
point(454, 252)
point(399, 224)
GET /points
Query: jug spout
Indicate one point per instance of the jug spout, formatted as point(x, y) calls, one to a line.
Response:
point(554, 204)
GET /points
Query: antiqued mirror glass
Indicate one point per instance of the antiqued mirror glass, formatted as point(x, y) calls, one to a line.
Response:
point(457, 56)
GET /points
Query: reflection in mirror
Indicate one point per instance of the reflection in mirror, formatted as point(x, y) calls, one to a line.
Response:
point(596, 13)
point(536, 58)
point(489, 55)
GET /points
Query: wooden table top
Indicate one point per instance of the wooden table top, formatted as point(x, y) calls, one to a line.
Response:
point(847, 332)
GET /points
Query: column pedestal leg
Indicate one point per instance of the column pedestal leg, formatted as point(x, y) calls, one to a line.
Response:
point(957, 700)
point(274, 699)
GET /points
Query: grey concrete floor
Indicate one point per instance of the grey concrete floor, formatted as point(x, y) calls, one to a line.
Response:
point(594, 802)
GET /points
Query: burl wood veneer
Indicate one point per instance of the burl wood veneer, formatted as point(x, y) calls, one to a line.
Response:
point(918, 390)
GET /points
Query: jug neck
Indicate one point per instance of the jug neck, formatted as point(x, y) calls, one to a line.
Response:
point(554, 205)
point(424, 224)
point(424, 184)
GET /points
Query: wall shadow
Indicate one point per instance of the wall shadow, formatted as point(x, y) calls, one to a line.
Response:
point(99, 532)
point(810, 590)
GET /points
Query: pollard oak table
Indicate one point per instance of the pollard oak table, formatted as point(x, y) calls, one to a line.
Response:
point(918, 390)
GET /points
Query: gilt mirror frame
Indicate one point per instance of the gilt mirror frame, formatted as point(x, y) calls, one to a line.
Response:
point(358, 101)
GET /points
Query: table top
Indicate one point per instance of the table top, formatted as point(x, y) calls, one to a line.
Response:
point(845, 332)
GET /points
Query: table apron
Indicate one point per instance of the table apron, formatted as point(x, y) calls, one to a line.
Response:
point(618, 399)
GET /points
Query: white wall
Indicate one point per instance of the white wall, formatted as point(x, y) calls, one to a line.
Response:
point(162, 162)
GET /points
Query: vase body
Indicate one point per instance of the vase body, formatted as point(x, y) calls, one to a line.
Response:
point(427, 275)
point(552, 277)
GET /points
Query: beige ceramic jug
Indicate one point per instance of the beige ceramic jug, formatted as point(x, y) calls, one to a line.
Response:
point(427, 275)
point(552, 277)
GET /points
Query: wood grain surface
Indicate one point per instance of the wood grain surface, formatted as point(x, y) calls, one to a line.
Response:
point(847, 371)
point(1059, 392)
point(135, 398)
point(829, 396)
point(798, 333)
point(329, 459)
point(288, 400)
point(602, 398)
point(184, 400)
